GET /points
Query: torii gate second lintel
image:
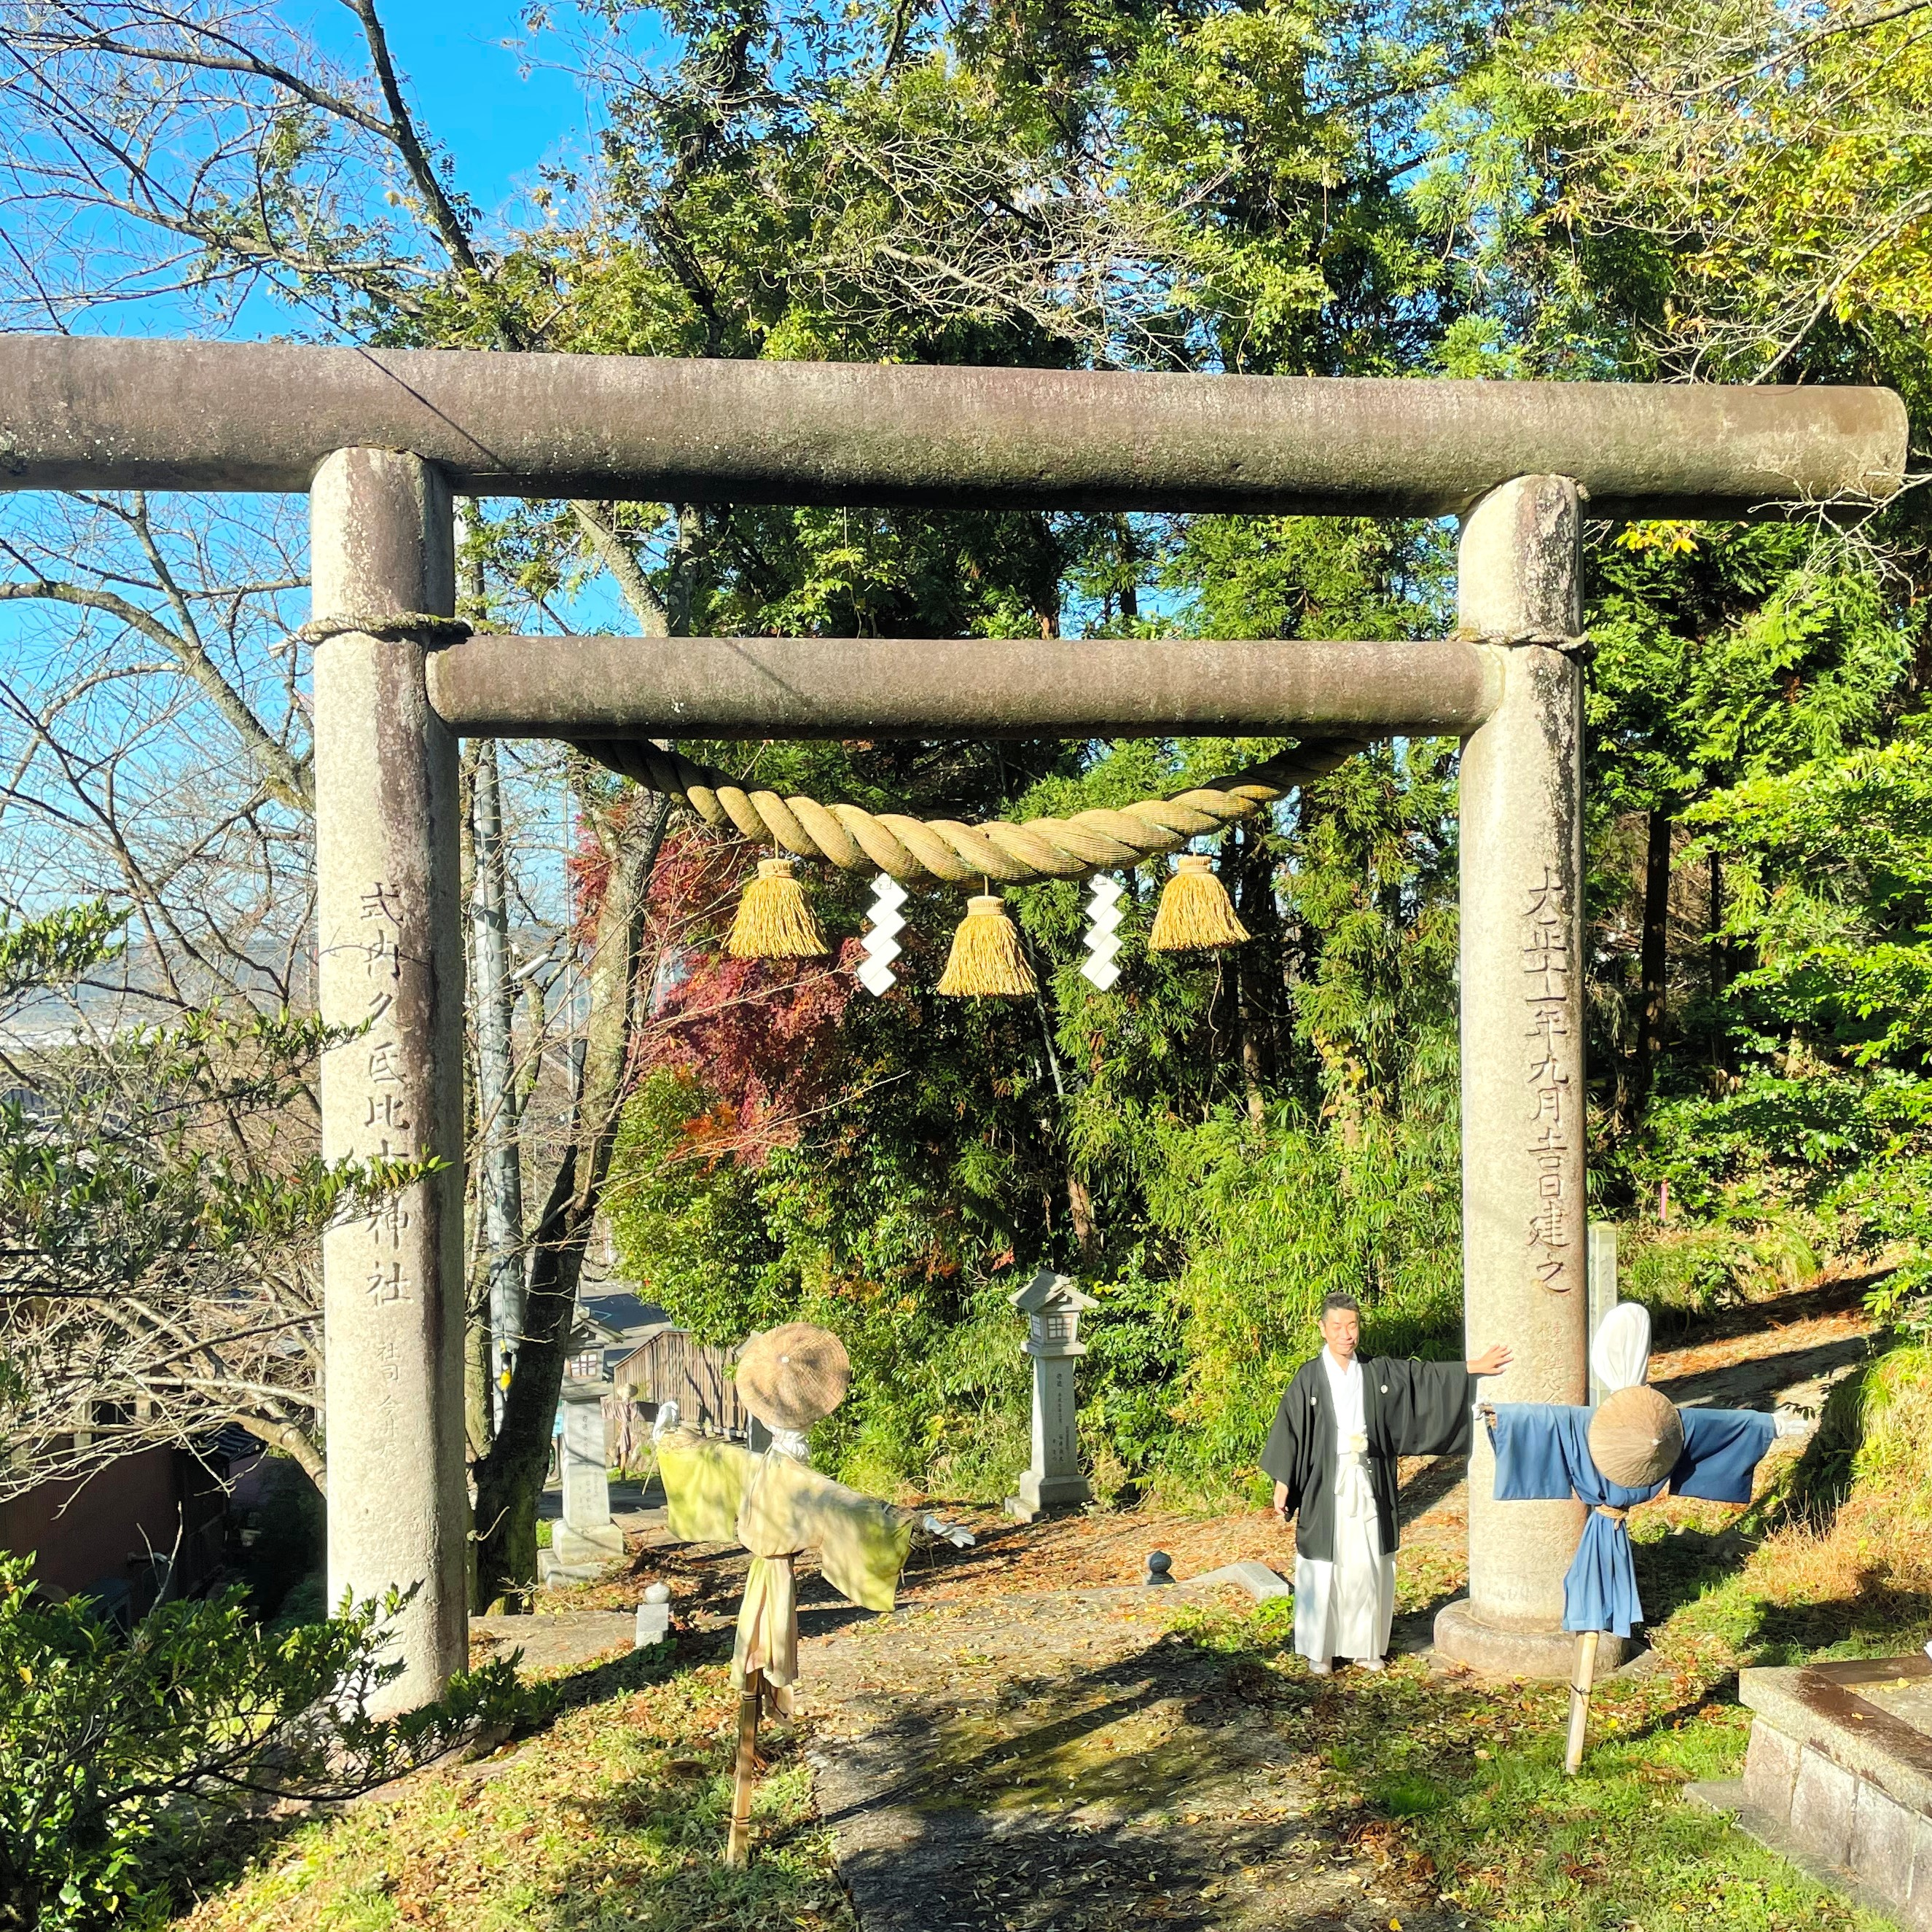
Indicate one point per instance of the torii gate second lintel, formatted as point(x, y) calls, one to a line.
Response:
point(380, 438)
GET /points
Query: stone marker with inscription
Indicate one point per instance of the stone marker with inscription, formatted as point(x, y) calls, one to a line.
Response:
point(391, 976)
point(1053, 1306)
point(587, 1539)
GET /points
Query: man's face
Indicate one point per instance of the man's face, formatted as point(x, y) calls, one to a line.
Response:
point(1341, 1330)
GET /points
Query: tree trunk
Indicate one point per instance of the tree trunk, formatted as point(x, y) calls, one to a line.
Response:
point(479, 1391)
point(510, 1479)
point(1721, 977)
point(1080, 1210)
point(500, 1171)
point(1258, 968)
point(293, 1442)
point(1652, 962)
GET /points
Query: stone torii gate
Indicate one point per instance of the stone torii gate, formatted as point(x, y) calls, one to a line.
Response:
point(380, 439)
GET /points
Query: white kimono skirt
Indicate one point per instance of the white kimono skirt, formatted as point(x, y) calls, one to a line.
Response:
point(1345, 1608)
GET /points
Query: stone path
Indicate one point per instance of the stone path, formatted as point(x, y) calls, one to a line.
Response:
point(1058, 1763)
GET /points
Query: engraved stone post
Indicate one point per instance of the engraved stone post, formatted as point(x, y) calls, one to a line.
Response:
point(587, 1539)
point(1053, 1306)
point(391, 956)
point(1523, 1208)
point(1603, 1274)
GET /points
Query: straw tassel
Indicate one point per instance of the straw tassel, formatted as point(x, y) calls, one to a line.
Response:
point(986, 961)
point(774, 921)
point(1194, 913)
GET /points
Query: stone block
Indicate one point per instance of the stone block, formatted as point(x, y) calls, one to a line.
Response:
point(1771, 1770)
point(1881, 1843)
point(1257, 1579)
point(1917, 1910)
point(575, 1548)
point(1039, 1495)
point(1823, 1798)
point(1463, 1637)
point(1788, 1699)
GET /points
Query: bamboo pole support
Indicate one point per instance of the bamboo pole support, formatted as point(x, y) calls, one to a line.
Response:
point(738, 1842)
point(1581, 1679)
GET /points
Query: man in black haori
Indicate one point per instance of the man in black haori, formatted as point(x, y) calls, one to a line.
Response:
point(1332, 1453)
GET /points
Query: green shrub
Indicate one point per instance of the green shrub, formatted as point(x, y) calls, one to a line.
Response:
point(1688, 1269)
point(111, 1744)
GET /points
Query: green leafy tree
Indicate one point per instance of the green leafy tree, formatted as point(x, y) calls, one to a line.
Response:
point(1832, 896)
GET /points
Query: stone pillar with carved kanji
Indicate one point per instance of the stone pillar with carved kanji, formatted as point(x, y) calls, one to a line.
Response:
point(1524, 1245)
point(586, 1538)
point(391, 968)
point(1053, 1306)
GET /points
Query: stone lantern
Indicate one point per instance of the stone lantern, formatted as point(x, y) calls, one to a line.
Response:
point(1053, 1306)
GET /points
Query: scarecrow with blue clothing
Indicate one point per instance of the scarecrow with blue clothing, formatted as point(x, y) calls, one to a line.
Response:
point(1633, 1446)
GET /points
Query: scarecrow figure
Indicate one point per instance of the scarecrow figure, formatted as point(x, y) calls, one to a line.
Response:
point(1332, 1452)
point(778, 1508)
point(1625, 1452)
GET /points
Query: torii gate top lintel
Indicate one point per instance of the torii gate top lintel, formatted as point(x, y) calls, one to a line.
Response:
point(103, 412)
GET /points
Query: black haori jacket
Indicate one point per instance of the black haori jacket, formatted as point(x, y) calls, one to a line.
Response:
point(1410, 1408)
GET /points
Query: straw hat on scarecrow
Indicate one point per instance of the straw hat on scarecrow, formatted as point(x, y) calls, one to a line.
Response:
point(791, 1377)
point(1637, 1436)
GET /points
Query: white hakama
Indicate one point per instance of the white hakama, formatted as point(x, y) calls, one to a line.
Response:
point(1345, 1608)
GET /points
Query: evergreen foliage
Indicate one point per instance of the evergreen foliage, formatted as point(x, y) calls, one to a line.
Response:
point(112, 1742)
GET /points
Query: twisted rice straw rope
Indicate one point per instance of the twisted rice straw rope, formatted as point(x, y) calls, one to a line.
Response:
point(916, 851)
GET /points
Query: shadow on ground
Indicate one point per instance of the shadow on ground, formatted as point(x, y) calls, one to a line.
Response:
point(1062, 1762)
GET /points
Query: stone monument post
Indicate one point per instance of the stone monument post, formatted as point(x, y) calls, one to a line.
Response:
point(1053, 1306)
point(1603, 1274)
point(587, 1539)
point(1523, 1206)
point(391, 965)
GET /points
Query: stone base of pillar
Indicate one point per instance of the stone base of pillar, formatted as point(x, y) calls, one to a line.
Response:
point(1041, 1496)
point(575, 1548)
point(1463, 1637)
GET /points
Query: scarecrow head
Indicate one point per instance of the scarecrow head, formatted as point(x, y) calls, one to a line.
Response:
point(791, 1377)
point(1637, 1434)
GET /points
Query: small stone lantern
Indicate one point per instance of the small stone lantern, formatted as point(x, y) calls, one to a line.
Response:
point(1053, 1306)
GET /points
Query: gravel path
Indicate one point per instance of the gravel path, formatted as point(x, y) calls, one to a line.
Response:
point(1059, 1763)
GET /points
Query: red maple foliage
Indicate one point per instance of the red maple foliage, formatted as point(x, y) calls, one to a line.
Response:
point(759, 1039)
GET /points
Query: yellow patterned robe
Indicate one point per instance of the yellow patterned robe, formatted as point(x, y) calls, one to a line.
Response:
point(719, 1492)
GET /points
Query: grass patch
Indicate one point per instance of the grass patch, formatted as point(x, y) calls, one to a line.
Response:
point(612, 1818)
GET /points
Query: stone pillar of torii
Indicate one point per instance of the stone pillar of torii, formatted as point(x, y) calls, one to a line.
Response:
point(380, 439)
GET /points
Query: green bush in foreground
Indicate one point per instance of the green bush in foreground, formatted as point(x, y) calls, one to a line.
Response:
point(108, 1740)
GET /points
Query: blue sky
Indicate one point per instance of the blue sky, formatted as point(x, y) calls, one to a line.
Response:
point(483, 92)
point(499, 116)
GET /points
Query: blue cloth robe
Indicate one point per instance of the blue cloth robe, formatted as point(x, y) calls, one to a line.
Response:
point(1542, 1452)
